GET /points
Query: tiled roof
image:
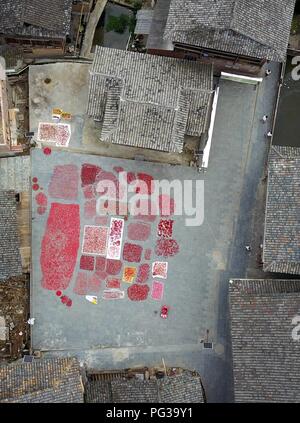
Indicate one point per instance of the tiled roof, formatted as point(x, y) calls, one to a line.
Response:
point(149, 101)
point(42, 381)
point(35, 18)
point(282, 226)
point(266, 358)
point(139, 391)
point(182, 388)
point(10, 259)
point(283, 152)
point(256, 28)
point(97, 391)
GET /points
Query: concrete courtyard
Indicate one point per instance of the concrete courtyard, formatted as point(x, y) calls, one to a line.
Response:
point(123, 333)
point(122, 323)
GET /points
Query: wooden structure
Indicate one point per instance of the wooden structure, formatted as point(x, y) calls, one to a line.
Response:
point(23, 218)
point(8, 124)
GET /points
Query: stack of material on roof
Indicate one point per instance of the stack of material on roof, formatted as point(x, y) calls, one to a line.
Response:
point(15, 173)
point(143, 21)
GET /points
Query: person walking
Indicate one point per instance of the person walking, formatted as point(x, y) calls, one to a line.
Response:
point(265, 118)
point(268, 72)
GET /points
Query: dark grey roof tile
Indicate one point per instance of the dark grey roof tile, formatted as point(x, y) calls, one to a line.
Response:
point(35, 18)
point(282, 223)
point(266, 359)
point(149, 101)
point(183, 388)
point(258, 28)
point(52, 380)
point(10, 259)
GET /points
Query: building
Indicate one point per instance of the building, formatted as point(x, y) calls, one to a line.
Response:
point(149, 101)
point(38, 26)
point(265, 349)
point(281, 253)
point(42, 381)
point(230, 33)
point(10, 258)
point(61, 380)
point(182, 388)
point(15, 177)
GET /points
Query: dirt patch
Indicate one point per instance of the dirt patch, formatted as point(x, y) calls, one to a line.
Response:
point(14, 308)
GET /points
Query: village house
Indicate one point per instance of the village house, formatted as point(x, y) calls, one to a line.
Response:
point(185, 387)
point(10, 258)
point(15, 179)
point(40, 27)
point(266, 365)
point(62, 380)
point(149, 101)
point(281, 253)
point(55, 380)
point(232, 34)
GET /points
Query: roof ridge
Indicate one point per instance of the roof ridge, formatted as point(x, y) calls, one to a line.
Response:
point(265, 286)
point(277, 152)
point(234, 6)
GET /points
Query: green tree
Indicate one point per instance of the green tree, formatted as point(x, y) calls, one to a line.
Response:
point(117, 23)
point(137, 4)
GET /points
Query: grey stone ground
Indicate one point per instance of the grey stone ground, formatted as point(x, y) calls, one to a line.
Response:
point(214, 253)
